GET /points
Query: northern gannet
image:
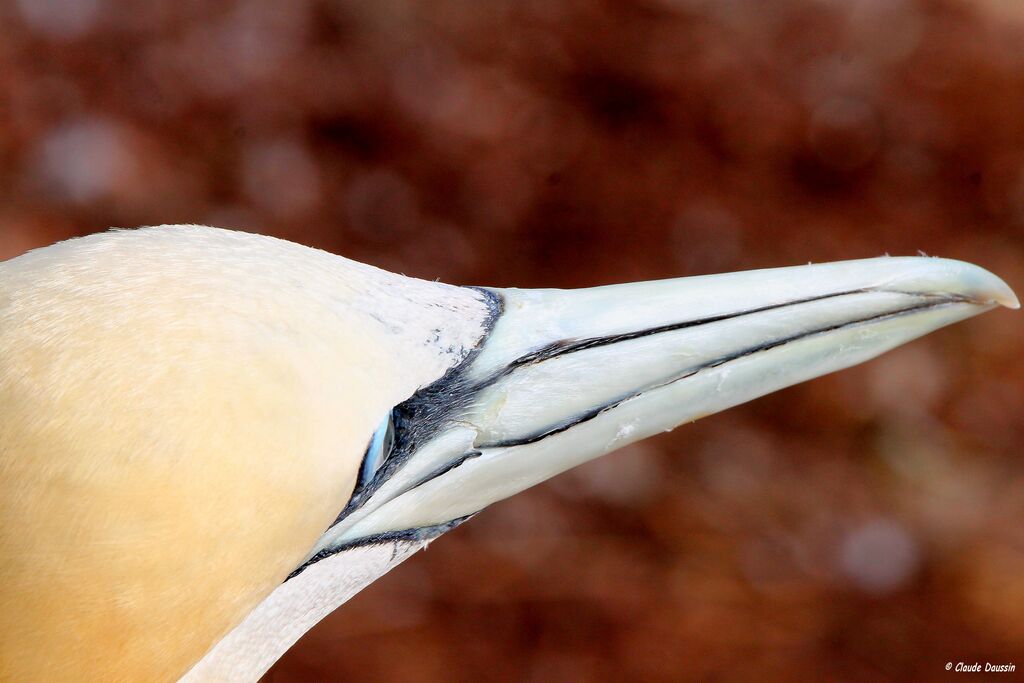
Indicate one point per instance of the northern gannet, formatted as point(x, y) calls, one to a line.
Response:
point(211, 439)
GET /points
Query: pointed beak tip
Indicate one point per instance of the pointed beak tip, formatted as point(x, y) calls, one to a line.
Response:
point(990, 289)
point(979, 285)
point(1008, 299)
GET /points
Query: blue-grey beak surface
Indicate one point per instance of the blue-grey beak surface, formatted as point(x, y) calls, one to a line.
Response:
point(567, 376)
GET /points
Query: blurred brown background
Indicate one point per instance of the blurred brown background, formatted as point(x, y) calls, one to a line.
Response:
point(865, 526)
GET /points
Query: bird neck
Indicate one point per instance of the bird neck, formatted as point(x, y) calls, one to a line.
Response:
point(252, 647)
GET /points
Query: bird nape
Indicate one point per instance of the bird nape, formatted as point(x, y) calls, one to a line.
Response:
point(211, 439)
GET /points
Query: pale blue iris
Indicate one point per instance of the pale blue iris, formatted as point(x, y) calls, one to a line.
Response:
point(378, 450)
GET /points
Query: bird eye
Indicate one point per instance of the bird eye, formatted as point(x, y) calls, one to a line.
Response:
point(377, 451)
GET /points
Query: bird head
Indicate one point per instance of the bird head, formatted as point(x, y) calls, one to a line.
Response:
point(230, 412)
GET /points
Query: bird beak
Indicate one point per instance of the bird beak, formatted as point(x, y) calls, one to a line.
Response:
point(567, 376)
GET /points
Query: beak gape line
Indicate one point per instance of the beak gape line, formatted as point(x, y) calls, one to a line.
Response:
point(563, 348)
